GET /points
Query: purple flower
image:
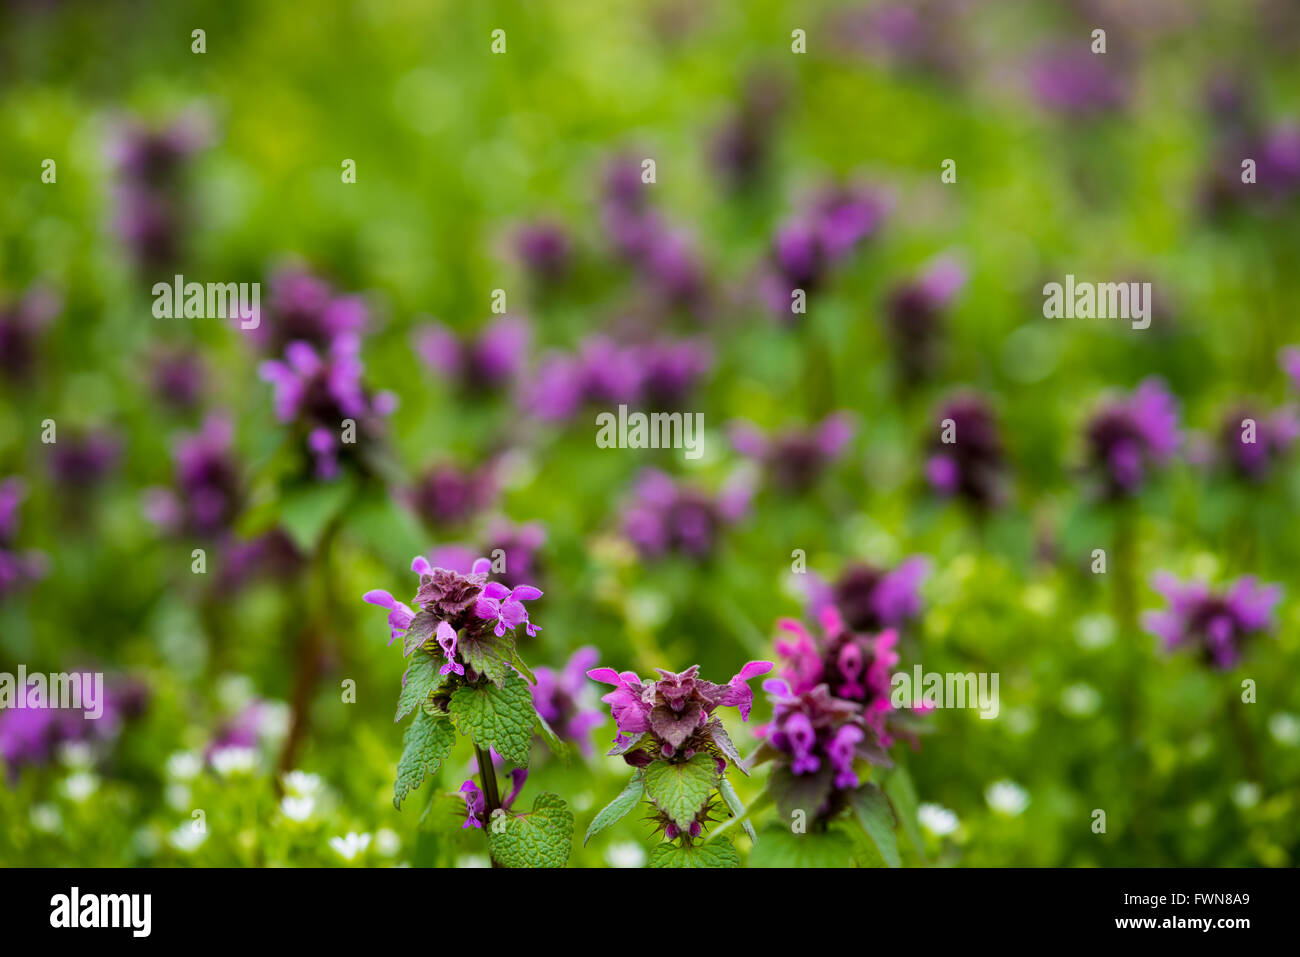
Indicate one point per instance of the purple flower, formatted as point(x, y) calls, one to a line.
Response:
point(246, 730)
point(1128, 437)
point(486, 363)
point(1289, 360)
point(475, 805)
point(504, 607)
point(545, 249)
point(916, 36)
point(741, 145)
point(1075, 81)
point(914, 317)
point(1252, 444)
point(17, 569)
point(208, 492)
point(86, 459)
point(870, 599)
point(176, 377)
point(676, 712)
point(271, 556)
point(558, 697)
point(795, 459)
point(302, 307)
point(319, 393)
point(1217, 626)
point(21, 324)
point(667, 517)
point(447, 495)
point(966, 458)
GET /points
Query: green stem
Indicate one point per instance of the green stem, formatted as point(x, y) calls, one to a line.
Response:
point(488, 778)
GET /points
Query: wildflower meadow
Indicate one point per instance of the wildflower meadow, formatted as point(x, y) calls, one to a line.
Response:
point(649, 433)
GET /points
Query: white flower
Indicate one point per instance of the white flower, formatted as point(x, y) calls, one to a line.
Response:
point(301, 784)
point(184, 765)
point(234, 691)
point(1080, 700)
point(1245, 794)
point(1007, 797)
point(473, 860)
point(625, 854)
point(1285, 728)
point(76, 754)
point(178, 796)
point(80, 786)
point(275, 720)
point(298, 808)
point(350, 845)
point(387, 842)
point(937, 819)
point(46, 818)
point(228, 761)
point(1094, 631)
point(187, 838)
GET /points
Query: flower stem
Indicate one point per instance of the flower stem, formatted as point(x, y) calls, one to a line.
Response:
point(488, 778)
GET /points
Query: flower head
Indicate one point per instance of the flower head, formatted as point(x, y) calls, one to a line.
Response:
point(17, 568)
point(488, 362)
point(1216, 625)
point(966, 458)
point(914, 317)
point(668, 517)
point(208, 492)
point(1129, 437)
point(795, 459)
point(558, 697)
point(21, 324)
point(820, 735)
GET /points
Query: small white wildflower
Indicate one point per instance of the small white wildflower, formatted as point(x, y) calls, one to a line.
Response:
point(473, 860)
point(275, 720)
point(80, 786)
point(297, 807)
point(350, 845)
point(1245, 794)
point(1285, 728)
point(46, 818)
point(301, 784)
point(184, 765)
point(625, 854)
point(1094, 631)
point(187, 838)
point(1007, 797)
point(1021, 720)
point(937, 819)
point(230, 761)
point(76, 754)
point(1080, 700)
point(387, 843)
point(178, 797)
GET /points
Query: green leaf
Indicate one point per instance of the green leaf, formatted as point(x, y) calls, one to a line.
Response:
point(714, 854)
point(876, 816)
point(680, 790)
point(782, 848)
point(307, 510)
point(799, 792)
point(488, 655)
point(422, 680)
point(540, 838)
point(617, 809)
point(736, 805)
point(557, 746)
point(898, 785)
point(497, 717)
point(427, 742)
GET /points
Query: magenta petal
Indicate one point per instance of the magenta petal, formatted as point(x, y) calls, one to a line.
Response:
point(606, 675)
point(378, 596)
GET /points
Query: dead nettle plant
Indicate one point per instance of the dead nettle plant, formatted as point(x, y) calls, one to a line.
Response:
point(465, 678)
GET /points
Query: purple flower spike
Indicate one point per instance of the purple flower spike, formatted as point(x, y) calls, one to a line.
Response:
point(1129, 437)
point(504, 606)
point(475, 805)
point(1217, 625)
point(559, 698)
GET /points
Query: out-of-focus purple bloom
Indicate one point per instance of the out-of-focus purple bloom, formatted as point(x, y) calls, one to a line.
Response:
point(803, 250)
point(665, 516)
point(673, 714)
point(657, 375)
point(272, 556)
point(30, 735)
point(177, 377)
point(558, 697)
point(489, 362)
point(21, 323)
point(247, 730)
point(1216, 625)
point(870, 599)
point(916, 36)
point(795, 458)
point(319, 393)
point(545, 248)
point(447, 495)
point(303, 307)
point(1077, 82)
point(972, 465)
point(86, 459)
point(1128, 437)
point(1289, 360)
point(1253, 444)
point(914, 316)
point(741, 145)
point(208, 492)
point(513, 550)
point(17, 569)
point(153, 209)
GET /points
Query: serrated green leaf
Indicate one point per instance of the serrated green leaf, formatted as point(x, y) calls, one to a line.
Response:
point(799, 792)
point(874, 813)
point(540, 838)
point(898, 786)
point(782, 848)
point(617, 809)
point(422, 679)
point(736, 805)
point(681, 789)
point(427, 742)
point(488, 655)
point(497, 717)
point(307, 510)
point(714, 854)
